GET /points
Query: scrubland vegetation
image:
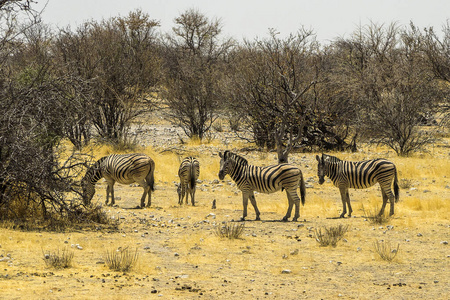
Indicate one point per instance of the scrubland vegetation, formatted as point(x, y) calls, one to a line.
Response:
point(71, 96)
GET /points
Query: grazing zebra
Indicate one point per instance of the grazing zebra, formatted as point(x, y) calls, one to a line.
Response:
point(188, 172)
point(123, 168)
point(270, 179)
point(359, 175)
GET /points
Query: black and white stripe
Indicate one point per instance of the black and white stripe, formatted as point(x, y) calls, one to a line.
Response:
point(270, 179)
point(359, 175)
point(188, 173)
point(123, 168)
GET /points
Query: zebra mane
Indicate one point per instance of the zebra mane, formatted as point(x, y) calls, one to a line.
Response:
point(94, 171)
point(235, 157)
point(331, 159)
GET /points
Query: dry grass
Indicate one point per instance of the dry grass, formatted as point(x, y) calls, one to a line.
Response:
point(229, 230)
point(331, 235)
point(372, 214)
point(121, 259)
point(178, 246)
point(58, 259)
point(385, 250)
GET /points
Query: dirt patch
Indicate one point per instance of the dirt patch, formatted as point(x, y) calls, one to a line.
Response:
point(180, 256)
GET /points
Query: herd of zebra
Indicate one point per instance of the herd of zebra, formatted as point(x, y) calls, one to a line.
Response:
point(139, 168)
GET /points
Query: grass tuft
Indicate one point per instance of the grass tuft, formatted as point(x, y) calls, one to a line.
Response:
point(58, 260)
point(121, 260)
point(330, 235)
point(405, 183)
point(374, 217)
point(385, 250)
point(230, 230)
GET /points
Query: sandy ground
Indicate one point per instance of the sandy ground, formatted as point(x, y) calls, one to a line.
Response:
point(181, 257)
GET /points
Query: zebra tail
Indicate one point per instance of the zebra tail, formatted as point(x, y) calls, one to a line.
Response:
point(192, 175)
point(151, 182)
point(396, 189)
point(302, 188)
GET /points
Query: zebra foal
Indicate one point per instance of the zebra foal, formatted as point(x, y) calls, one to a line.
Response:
point(123, 168)
point(359, 175)
point(268, 180)
point(188, 173)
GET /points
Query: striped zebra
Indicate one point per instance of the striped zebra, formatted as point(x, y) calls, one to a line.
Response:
point(268, 180)
point(359, 175)
point(123, 168)
point(188, 173)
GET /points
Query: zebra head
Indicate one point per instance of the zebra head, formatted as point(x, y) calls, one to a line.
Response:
point(88, 191)
point(225, 164)
point(321, 168)
point(230, 163)
point(93, 174)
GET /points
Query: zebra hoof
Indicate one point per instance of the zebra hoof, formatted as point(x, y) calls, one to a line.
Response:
point(258, 219)
point(242, 218)
point(285, 219)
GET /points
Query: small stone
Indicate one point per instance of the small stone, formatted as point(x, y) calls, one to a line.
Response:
point(295, 252)
point(419, 234)
point(444, 243)
point(286, 271)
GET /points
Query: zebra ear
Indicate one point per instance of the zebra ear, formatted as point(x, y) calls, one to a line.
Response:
point(318, 158)
point(220, 154)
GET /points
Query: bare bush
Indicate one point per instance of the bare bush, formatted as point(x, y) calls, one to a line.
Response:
point(229, 230)
point(57, 259)
point(385, 250)
point(330, 236)
point(392, 86)
point(121, 259)
point(374, 217)
point(195, 67)
point(405, 183)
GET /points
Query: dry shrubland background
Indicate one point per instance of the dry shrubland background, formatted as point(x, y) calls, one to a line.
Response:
point(71, 96)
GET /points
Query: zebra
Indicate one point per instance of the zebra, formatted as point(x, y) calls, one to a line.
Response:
point(269, 179)
point(359, 175)
point(123, 168)
point(188, 173)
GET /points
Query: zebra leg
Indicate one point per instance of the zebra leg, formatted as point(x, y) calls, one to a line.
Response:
point(350, 210)
point(253, 202)
point(391, 197)
point(149, 192)
point(180, 201)
point(391, 201)
point(107, 194)
point(244, 204)
point(296, 200)
point(183, 192)
point(113, 201)
point(144, 195)
point(193, 196)
point(289, 210)
point(383, 206)
point(344, 192)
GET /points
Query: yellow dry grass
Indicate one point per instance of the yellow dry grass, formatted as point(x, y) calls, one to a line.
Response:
point(180, 257)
